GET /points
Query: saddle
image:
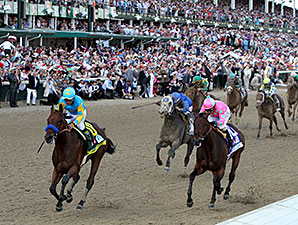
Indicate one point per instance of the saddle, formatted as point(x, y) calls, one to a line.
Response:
point(91, 147)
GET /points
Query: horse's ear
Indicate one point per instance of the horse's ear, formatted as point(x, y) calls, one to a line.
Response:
point(60, 108)
point(52, 109)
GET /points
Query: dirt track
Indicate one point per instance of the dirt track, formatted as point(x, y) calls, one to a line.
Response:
point(130, 188)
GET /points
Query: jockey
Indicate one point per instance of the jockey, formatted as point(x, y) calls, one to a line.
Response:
point(184, 105)
point(218, 114)
point(201, 84)
point(269, 88)
point(76, 111)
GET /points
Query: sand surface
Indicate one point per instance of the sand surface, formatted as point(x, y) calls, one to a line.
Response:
point(130, 188)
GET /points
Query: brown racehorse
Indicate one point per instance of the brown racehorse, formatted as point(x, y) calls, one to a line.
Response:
point(292, 97)
point(235, 101)
point(266, 109)
point(211, 155)
point(197, 97)
point(68, 155)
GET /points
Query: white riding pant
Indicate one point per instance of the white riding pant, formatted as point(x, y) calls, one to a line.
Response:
point(227, 116)
point(34, 95)
point(80, 125)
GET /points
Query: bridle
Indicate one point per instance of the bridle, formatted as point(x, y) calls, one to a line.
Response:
point(55, 129)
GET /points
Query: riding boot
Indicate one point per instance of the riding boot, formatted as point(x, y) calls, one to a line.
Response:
point(230, 140)
point(277, 103)
point(89, 138)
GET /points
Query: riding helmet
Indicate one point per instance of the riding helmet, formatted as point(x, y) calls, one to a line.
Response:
point(266, 80)
point(209, 103)
point(176, 97)
point(69, 93)
point(196, 79)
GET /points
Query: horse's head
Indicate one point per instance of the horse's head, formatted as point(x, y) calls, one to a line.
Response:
point(166, 106)
point(260, 99)
point(202, 128)
point(56, 123)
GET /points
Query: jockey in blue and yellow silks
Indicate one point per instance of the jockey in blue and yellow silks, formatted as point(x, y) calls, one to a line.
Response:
point(76, 110)
point(269, 88)
point(184, 105)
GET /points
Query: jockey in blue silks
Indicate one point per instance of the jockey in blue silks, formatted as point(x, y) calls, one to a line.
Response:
point(270, 89)
point(184, 105)
point(76, 110)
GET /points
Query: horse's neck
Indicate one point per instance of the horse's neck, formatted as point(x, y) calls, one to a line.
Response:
point(65, 138)
point(169, 120)
point(213, 141)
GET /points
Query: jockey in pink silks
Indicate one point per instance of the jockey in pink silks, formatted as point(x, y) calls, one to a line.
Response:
point(218, 115)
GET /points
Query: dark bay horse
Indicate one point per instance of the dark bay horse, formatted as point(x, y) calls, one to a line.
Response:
point(292, 97)
point(197, 97)
point(266, 107)
point(68, 155)
point(173, 133)
point(212, 155)
point(235, 101)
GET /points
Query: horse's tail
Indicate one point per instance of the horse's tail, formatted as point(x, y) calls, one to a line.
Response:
point(111, 146)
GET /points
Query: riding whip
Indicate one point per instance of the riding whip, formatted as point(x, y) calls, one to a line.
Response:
point(40, 146)
point(141, 106)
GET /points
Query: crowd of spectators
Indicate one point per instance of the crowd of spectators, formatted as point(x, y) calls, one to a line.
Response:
point(159, 69)
point(205, 10)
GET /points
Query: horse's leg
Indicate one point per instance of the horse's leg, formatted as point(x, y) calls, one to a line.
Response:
point(70, 188)
point(217, 176)
point(190, 146)
point(242, 107)
point(270, 126)
point(235, 163)
point(275, 122)
point(94, 167)
point(260, 127)
point(56, 177)
point(171, 154)
point(197, 171)
point(289, 109)
point(159, 145)
point(294, 111)
point(282, 113)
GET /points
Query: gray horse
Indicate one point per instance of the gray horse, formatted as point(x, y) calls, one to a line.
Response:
point(173, 133)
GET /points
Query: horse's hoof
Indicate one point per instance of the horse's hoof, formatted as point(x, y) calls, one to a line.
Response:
point(167, 169)
point(59, 208)
point(226, 197)
point(159, 162)
point(80, 207)
point(190, 204)
point(211, 206)
point(69, 199)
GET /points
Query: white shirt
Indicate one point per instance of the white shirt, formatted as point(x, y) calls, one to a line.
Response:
point(7, 45)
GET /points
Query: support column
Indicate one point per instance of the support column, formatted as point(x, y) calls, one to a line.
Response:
point(30, 21)
point(21, 41)
point(232, 4)
point(282, 8)
point(40, 41)
point(73, 23)
point(26, 42)
point(215, 2)
point(55, 23)
point(266, 6)
point(251, 5)
point(52, 23)
point(272, 8)
point(141, 22)
point(161, 25)
point(131, 22)
point(75, 43)
point(108, 25)
point(119, 22)
point(294, 8)
point(122, 44)
point(33, 22)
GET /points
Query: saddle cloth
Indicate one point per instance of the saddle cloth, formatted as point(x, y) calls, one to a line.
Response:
point(237, 142)
point(98, 141)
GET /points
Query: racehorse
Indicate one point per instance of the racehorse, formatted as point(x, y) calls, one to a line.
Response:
point(68, 155)
point(235, 101)
point(266, 109)
point(212, 152)
point(173, 133)
point(197, 97)
point(292, 97)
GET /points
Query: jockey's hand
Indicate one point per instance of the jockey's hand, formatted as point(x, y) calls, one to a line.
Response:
point(213, 123)
point(178, 109)
point(70, 126)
